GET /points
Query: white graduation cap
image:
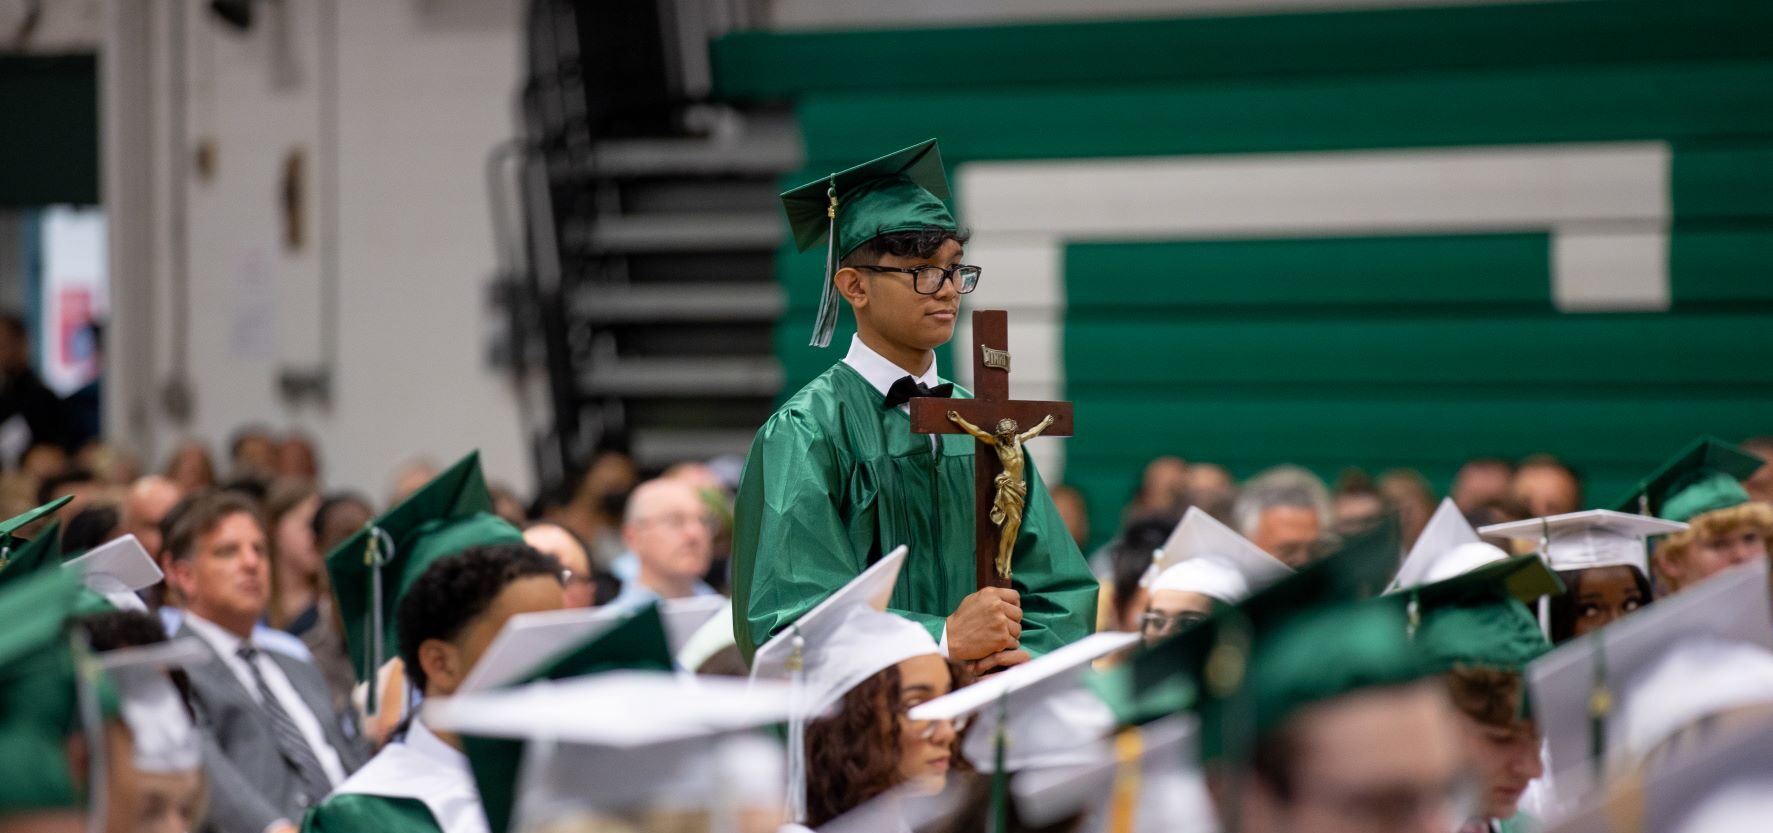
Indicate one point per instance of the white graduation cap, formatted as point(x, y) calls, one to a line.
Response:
point(164, 739)
point(714, 636)
point(1626, 688)
point(1448, 547)
point(1052, 718)
point(1585, 540)
point(528, 641)
point(661, 748)
point(1205, 556)
point(116, 569)
point(834, 647)
point(904, 809)
point(1147, 781)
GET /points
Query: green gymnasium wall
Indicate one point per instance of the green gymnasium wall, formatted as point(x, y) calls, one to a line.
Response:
point(1380, 348)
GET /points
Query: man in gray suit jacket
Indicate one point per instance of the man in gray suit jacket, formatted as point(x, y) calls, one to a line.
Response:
point(273, 745)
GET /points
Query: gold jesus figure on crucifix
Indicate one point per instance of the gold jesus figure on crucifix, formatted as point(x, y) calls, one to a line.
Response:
point(1012, 491)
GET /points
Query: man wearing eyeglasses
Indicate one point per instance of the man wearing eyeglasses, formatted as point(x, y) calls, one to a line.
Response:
point(669, 530)
point(836, 478)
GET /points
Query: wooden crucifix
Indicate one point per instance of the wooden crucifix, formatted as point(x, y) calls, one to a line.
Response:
point(1001, 425)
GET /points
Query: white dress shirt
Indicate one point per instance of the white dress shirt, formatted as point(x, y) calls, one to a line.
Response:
point(881, 374)
point(227, 646)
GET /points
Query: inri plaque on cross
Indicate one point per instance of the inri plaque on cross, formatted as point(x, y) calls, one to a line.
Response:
point(1001, 425)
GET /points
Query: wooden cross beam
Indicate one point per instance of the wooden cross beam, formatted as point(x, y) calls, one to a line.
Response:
point(990, 404)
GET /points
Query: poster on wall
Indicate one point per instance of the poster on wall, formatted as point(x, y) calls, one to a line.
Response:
point(73, 297)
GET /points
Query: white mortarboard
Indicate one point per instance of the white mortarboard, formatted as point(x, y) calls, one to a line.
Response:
point(1585, 540)
point(714, 636)
point(1053, 718)
point(904, 809)
point(1706, 650)
point(623, 744)
point(834, 647)
point(1205, 556)
point(1724, 784)
point(116, 569)
point(529, 640)
point(684, 617)
point(1147, 782)
point(1447, 547)
point(164, 739)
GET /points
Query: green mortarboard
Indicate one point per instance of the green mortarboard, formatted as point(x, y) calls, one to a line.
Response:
point(637, 643)
point(41, 697)
point(901, 191)
point(1704, 477)
point(1306, 639)
point(20, 557)
point(1481, 619)
point(374, 568)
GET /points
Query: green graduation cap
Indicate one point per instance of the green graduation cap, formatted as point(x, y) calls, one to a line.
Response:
point(374, 568)
point(638, 643)
point(901, 191)
point(1308, 638)
point(1481, 619)
point(43, 699)
point(19, 556)
point(1704, 477)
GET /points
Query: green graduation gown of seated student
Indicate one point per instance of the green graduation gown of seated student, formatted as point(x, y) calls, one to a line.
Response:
point(834, 481)
point(416, 785)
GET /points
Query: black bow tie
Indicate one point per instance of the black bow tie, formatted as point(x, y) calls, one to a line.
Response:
point(908, 386)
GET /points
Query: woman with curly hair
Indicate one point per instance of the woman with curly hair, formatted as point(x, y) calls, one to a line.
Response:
point(857, 670)
point(1702, 486)
point(1714, 542)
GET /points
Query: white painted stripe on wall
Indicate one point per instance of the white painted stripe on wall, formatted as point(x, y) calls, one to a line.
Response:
point(1605, 206)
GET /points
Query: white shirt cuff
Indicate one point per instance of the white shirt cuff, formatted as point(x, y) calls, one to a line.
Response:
point(943, 644)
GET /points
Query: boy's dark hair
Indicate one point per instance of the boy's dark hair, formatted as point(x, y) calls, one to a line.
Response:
point(93, 526)
point(450, 594)
point(916, 244)
point(199, 515)
point(1131, 553)
point(114, 629)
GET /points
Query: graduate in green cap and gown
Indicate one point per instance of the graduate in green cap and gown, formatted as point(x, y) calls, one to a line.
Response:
point(1317, 713)
point(1702, 486)
point(451, 575)
point(836, 478)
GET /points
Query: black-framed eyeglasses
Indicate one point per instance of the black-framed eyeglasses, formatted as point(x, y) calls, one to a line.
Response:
point(928, 280)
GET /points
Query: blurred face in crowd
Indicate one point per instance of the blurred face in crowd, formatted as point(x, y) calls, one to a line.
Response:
point(1073, 512)
point(1164, 486)
point(553, 540)
point(671, 531)
point(296, 552)
point(1713, 551)
point(147, 802)
point(1357, 510)
point(296, 459)
point(926, 746)
point(1546, 490)
point(227, 579)
point(1602, 595)
point(1760, 484)
point(342, 520)
point(1480, 482)
point(1171, 611)
point(145, 506)
point(255, 455)
point(1376, 761)
point(190, 468)
point(1287, 533)
point(1505, 760)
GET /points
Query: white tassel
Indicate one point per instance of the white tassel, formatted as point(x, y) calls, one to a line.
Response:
point(797, 717)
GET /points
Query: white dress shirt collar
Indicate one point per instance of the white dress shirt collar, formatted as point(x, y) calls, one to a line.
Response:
point(882, 373)
point(219, 638)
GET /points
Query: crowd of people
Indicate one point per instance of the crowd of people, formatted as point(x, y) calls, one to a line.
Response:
point(235, 648)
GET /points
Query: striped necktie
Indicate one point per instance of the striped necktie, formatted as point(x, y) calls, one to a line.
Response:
point(291, 744)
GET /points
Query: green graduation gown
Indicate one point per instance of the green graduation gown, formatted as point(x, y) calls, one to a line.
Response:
point(417, 784)
point(834, 481)
point(370, 814)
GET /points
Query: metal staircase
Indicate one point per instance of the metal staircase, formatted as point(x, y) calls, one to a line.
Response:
point(651, 293)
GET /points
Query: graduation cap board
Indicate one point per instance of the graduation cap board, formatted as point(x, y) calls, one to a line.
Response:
point(715, 635)
point(1447, 547)
point(165, 741)
point(831, 649)
point(1706, 476)
point(1205, 556)
point(1589, 539)
point(1607, 699)
point(1262, 660)
point(21, 557)
point(901, 191)
point(1480, 618)
point(1040, 712)
point(529, 642)
point(669, 749)
point(374, 568)
point(117, 569)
